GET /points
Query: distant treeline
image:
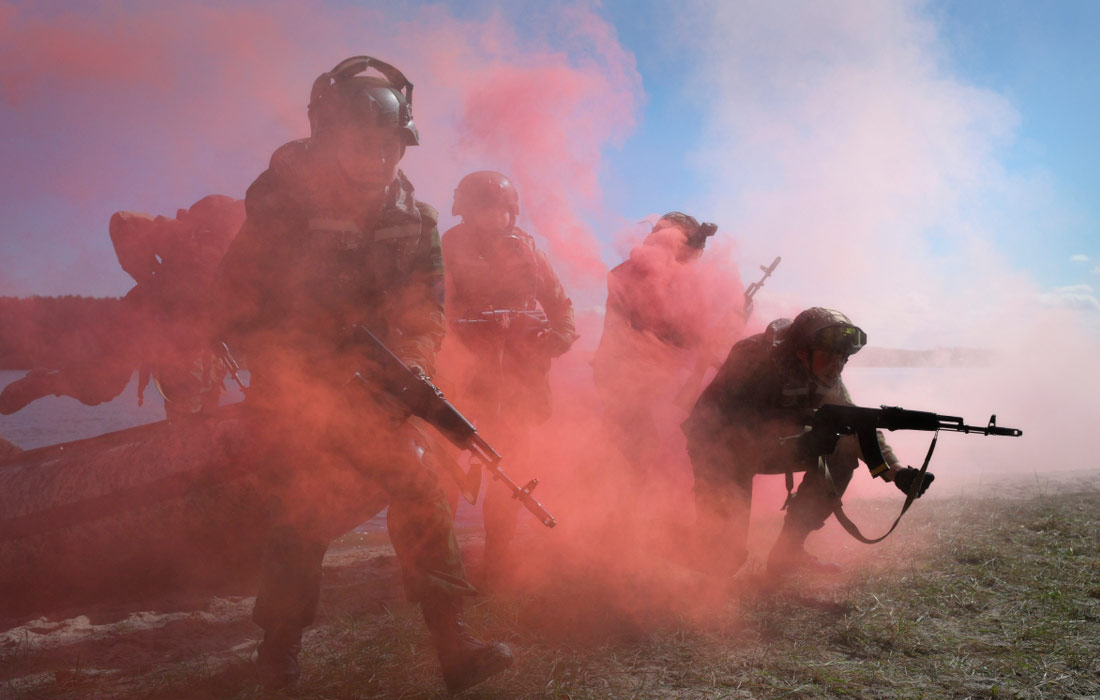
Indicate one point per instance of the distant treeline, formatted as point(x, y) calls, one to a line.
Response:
point(53, 331)
point(936, 357)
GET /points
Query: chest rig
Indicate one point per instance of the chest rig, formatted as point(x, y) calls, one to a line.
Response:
point(349, 267)
point(495, 273)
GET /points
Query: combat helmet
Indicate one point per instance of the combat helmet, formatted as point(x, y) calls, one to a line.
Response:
point(485, 188)
point(818, 328)
point(342, 96)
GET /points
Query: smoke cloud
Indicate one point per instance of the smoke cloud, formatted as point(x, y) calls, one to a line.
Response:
point(837, 137)
point(133, 106)
point(853, 150)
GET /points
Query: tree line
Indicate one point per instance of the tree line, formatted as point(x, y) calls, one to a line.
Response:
point(53, 331)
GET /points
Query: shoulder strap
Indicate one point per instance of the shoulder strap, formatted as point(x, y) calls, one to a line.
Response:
point(851, 527)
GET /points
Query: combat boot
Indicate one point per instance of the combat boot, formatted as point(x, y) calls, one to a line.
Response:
point(277, 658)
point(795, 560)
point(789, 556)
point(464, 659)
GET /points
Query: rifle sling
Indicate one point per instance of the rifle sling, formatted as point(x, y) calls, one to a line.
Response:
point(914, 489)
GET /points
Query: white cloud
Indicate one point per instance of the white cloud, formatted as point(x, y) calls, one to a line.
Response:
point(1075, 297)
point(1079, 258)
point(1074, 289)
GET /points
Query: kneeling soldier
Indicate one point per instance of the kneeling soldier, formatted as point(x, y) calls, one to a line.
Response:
point(743, 423)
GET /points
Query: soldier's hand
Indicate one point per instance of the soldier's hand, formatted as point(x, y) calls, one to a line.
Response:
point(905, 477)
point(550, 342)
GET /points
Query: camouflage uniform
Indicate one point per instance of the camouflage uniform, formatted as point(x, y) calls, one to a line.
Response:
point(305, 268)
point(762, 393)
point(507, 383)
point(506, 272)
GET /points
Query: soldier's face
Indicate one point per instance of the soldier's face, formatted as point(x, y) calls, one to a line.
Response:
point(673, 238)
point(494, 218)
point(666, 235)
point(825, 365)
point(368, 157)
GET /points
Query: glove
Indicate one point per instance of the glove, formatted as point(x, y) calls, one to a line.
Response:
point(551, 342)
point(904, 480)
point(816, 442)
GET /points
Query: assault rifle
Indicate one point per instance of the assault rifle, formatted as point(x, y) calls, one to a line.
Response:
point(530, 319)
point(834, 420)
point(424, 400)
point(864, 422)
point(689, 392)
point(752, 289)
point(231, 366)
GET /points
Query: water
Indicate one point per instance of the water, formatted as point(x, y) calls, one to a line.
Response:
point(56, 419)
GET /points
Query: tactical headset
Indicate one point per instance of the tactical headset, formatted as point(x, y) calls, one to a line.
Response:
point(390, 102)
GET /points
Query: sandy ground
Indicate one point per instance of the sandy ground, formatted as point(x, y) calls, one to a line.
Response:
point(125, 642)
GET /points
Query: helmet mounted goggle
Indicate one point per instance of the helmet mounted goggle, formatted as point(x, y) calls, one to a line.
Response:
point(842, 339)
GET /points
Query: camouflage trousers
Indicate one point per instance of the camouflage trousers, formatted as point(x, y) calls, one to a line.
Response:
point(323, 488)
point(723, 495)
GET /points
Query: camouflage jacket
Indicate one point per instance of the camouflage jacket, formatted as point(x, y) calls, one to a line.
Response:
point(762, 393)
point(503, 272)
point(654, 294)
point(305, 267)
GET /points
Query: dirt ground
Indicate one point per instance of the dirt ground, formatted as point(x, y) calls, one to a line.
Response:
point(972, 598)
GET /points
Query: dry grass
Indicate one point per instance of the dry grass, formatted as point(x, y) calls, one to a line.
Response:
point(1001, 599)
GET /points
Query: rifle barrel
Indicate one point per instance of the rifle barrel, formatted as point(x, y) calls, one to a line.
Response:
point(986, 430)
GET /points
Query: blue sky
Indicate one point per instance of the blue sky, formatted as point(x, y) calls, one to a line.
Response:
point(1042, 57)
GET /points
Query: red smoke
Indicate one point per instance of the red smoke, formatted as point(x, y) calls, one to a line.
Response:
point(146, 108)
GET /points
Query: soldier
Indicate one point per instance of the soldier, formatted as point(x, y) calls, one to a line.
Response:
point(335, 238)
point(654, 333)
point(766, 391)
point(507, 308)
point(161, 325)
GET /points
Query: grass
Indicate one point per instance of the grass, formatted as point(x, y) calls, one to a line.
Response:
point(992, 598)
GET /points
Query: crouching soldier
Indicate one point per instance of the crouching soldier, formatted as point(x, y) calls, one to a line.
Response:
point(334, 238)
point(750, 420)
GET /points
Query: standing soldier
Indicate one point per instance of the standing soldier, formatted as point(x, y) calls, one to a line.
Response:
point(335, 238)
point(507, 308)
point(767, 390)
point(161, 327)
point(654, 333)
